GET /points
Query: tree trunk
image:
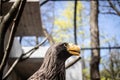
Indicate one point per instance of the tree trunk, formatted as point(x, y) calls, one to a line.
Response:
point(95, 57)
point(14, 13)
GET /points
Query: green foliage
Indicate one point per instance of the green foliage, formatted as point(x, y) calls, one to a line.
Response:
point(111, 66)
point(64, 22)
point(86, 73)
point(68, 15)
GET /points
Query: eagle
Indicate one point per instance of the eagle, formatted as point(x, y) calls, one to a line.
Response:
point(53, 66)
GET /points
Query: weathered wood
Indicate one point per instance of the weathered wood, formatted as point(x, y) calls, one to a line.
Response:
point(30, 23)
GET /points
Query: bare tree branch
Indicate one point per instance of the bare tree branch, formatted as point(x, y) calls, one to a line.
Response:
point(30, 52)
point(112, 66)
point(4, 25)
point(50, 39)
point(11, 68)
point(11, 36)
point(106, 69)
point(44, 2)
point(109, 13)
point(72, 63)
point(23, 57)
point(114, 7)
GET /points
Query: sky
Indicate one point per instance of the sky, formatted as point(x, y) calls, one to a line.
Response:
point(108, 24)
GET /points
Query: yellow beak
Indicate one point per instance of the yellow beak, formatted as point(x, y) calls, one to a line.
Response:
point(73, 49)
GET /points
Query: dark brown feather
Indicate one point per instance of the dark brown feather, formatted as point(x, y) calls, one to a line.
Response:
point(53, 67)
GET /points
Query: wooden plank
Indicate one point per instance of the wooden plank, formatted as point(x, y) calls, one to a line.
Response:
point(30, 23)
point(26, 68)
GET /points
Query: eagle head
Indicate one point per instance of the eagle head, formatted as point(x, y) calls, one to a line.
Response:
point(64, 50)
point(53, 67)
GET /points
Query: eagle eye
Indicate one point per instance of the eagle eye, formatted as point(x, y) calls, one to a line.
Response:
point(65, 44)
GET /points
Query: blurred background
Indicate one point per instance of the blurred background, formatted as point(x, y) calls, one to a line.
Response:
point(93, 25)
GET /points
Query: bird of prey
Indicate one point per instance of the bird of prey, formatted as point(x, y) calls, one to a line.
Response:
point(53, 66)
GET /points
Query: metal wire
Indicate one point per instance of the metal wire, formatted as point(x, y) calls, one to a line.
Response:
point(101, 48)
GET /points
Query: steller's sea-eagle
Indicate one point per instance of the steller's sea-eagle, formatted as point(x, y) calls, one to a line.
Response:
point(53, 66)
